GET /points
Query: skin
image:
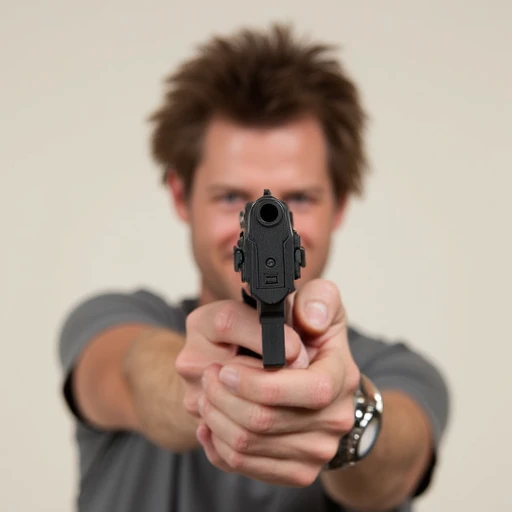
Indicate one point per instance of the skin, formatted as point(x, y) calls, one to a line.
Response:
point(238, 163)
point(279, 427)
point(283, 426)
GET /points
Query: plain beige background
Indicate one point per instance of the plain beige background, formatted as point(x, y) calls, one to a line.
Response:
point(425, 255)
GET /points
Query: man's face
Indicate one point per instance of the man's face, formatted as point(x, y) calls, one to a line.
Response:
point(238, 164)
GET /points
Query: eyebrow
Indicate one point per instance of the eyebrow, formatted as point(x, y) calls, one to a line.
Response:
point(226, 187)
point(312, 190)
point(304, 189)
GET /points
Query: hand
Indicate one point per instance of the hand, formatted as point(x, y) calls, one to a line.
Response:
point(214, 332)
point(282, 426)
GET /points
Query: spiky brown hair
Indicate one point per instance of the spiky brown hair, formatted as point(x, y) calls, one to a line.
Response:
point(263, 78)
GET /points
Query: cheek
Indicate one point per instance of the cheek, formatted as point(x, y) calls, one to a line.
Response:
point(214, 228)
point(314, 231)
point(225, 228)
point(226, 232)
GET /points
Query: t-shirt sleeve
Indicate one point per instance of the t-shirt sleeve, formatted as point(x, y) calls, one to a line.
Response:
point(95, 314)
point(396, 366)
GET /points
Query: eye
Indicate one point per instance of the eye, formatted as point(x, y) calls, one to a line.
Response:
point(299, 198)
point(231, 197)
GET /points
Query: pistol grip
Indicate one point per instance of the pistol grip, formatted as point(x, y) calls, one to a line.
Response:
point(243, 351)
point(272, 318)
point(273, 342)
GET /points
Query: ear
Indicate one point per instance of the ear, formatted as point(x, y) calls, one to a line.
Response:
point(177, 191)
point(341, 208)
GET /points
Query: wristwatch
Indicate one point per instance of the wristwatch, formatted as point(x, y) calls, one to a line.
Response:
point(357, 444)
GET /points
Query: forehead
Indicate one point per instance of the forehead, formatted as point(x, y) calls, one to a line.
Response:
point(291, 152)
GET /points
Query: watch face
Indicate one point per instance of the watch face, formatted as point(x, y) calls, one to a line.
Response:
point(368, 437)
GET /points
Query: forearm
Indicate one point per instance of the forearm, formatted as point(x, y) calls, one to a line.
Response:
point(389, 474)
point(157, 391)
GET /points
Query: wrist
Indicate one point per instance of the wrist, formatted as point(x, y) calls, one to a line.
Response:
point(359, 442)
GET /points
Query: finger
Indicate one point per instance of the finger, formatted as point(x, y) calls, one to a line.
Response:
point(236, 323)
point(316, 306)
point(312, 388)
point(311, 351)
point(315, 446)
point(255, 417)
point(267, 469)
point(204, 436)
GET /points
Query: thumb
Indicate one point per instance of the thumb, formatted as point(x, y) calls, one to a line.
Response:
point(316, 306)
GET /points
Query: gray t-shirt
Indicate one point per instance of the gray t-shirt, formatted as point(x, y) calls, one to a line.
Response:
point(124, 472)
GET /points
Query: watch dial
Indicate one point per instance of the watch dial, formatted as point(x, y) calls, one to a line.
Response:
point(368, 437)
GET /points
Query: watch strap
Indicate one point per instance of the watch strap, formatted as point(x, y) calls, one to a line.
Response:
point(368, 407)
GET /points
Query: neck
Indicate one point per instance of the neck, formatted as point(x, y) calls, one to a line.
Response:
point(207, 295)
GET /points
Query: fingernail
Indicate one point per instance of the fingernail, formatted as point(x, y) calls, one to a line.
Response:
point(230, 378)
point(316, 313)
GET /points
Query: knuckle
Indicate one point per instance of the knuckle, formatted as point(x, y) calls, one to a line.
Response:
point(224, 319)
point(261, 419)
point(189, 406)
point(236, 460)
point(182, 364)
point(241, 441)
point(342, 419)
point(187, 366)
point(325, 451)
point(323, 391)
point(353, 378)
point(205, 414)
point(216, 460)
point(190, 403)
point(193, 320)
point(344, 423)
point(305, 478)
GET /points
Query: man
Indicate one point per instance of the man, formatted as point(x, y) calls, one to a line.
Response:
point(170, 415)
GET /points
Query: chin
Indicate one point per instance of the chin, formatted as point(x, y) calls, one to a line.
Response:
point(230, 289)
point(237, 290)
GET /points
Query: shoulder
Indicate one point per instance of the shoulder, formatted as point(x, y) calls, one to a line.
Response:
point(373, 353)
point(137, 304)
point(97, 312)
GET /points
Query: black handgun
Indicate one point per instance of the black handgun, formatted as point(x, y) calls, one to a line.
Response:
point(269, 256)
